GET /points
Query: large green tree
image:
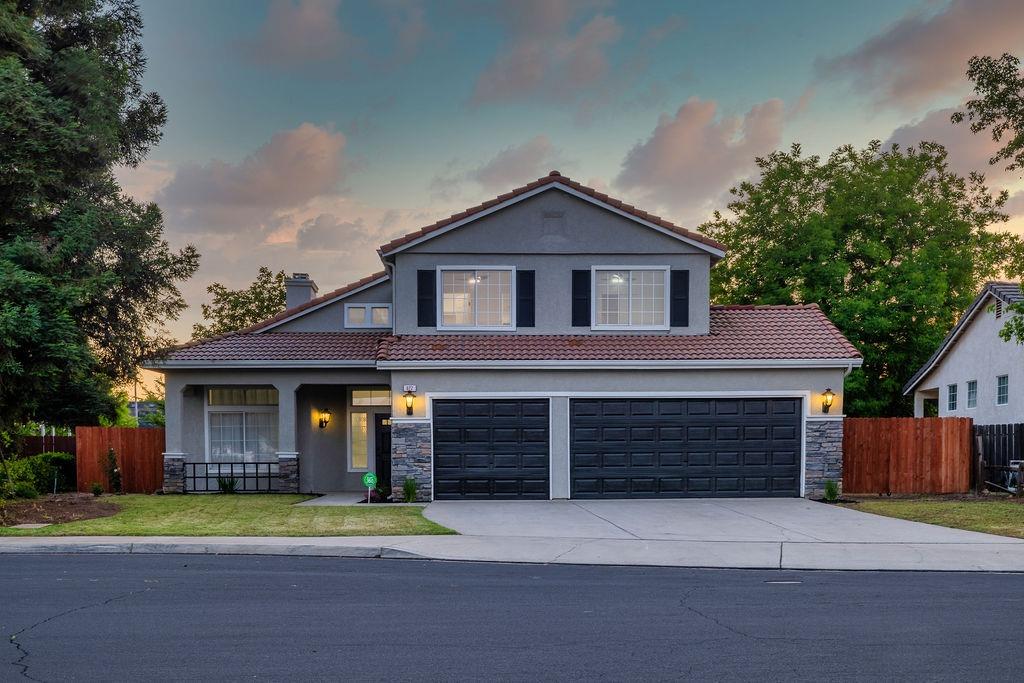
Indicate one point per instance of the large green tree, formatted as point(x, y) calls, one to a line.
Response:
point(87, 279)
point(234, 309)
point(998, 107)
point(891, 243)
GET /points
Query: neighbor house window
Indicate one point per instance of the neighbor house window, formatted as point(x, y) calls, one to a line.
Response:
point(972, 393)
point(241, 424)
point(476, 298)
point(1002, 390)
point(371, 397)
point(367, 315)
point(630, 298)
point(951, 398)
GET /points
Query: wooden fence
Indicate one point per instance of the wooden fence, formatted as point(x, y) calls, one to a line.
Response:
point(907, 455)
point(139, 457)
point(34, 445)
point(1000, 448)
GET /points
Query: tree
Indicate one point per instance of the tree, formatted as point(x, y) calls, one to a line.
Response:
point(891, 243)
point(999, 105)
point(87, 279)
point(235, 309)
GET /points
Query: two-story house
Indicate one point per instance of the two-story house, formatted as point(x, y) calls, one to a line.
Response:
point(974, 373)
point(552, 342)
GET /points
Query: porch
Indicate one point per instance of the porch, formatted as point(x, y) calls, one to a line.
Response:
point(280, 432)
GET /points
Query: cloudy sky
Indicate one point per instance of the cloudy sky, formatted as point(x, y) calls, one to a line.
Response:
point(304, 133)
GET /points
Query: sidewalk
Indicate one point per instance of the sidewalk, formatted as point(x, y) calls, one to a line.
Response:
point(1004, 554)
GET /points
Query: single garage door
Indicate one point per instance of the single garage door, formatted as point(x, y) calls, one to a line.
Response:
point(685, 448)
point(491, 449)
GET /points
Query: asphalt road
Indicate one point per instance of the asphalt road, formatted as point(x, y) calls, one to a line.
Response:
point(169, 617)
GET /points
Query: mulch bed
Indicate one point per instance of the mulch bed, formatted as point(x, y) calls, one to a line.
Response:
point(57, 509)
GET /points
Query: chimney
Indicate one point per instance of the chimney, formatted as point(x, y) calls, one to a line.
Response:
point(299, 289)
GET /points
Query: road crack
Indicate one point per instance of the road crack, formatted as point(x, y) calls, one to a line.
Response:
point(21, 662)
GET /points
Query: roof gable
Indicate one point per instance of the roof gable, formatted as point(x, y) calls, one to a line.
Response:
point(1007, 292)
point(553, 181)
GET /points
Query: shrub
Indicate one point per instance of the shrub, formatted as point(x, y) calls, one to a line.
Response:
point(24, 489)
point(113, 471)
point(831, 491)
point(97, 489)
point(227, 485)
point(409, 490)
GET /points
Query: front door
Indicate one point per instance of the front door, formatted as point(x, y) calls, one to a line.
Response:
point(382, 459)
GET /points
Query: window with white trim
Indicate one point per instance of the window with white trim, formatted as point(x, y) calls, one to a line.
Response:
point(371, 397)
point(241, 424)
point(359, 441)
point(478, 298)
point(630, 298)
point(951, 397)
point(1002, 390)
point(972, 393)
point(367, 315)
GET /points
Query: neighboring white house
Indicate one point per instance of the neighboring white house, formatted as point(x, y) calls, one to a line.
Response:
point(974, 373)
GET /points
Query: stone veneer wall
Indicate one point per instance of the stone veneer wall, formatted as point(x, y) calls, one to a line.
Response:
point(288, 473)
point(174, 473)
point(824, 458)
point(411, 457)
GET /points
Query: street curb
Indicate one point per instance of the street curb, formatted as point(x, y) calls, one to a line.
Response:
point(295, 550)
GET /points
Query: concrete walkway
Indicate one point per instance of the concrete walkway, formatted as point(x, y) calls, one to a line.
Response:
point(755, 534)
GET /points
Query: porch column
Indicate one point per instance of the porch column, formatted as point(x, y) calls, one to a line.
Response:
point(919, 403)
point(174, 456)
point(287, 438)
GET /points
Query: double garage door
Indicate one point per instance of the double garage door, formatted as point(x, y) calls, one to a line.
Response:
point(619, 448)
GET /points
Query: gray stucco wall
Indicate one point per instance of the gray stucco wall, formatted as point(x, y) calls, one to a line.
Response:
point(979, 354)
point(526, 236)
point(331, 318)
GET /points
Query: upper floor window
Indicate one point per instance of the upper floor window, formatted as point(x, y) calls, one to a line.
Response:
point(630, 298)
point(951, 402)
point(367, 315)
point(972, 393)
point(477, 298)
point(1002, 390)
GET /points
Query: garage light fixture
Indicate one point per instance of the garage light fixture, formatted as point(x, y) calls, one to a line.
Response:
point(826, 399)
point(325, 418)
point(409, 397)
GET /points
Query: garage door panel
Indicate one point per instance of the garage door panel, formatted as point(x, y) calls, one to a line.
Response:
point(651, 448)
point(487, 449)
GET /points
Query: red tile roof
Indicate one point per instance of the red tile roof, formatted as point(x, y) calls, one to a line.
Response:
point(551, 178)
point(284, 346)
point(737, 333)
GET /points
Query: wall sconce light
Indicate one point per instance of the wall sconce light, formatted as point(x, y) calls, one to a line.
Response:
point(826, 399)
point(325, 418)
point(410, 394)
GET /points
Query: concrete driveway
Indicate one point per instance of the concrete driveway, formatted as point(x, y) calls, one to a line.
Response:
point(751, 520)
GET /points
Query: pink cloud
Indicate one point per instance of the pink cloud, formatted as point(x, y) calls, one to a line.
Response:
point(967, 151)
point(516, 165)
point(544, 56)
point(925, 54)
point(293, 167)
point(692, 158)
point(298, 32)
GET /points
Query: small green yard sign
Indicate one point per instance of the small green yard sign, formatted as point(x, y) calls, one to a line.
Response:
point(369, 480)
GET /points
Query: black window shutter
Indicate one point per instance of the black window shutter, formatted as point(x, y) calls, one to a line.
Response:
point(426, 298)
point(525, 298)
point(679, 309)
point(581, 298)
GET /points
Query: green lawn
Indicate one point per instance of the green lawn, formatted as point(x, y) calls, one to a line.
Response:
point(241, 515)
point(996, 515)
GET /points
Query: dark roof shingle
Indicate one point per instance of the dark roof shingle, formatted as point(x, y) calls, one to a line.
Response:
point(283, 346)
